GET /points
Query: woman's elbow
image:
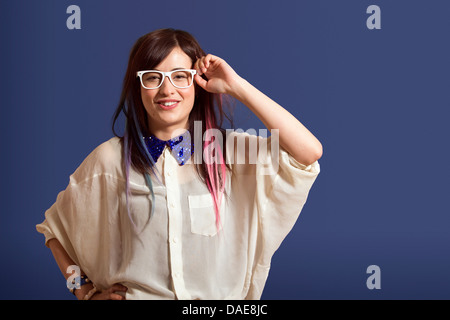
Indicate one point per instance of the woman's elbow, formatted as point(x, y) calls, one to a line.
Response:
point(313, 155)
point(319, 152)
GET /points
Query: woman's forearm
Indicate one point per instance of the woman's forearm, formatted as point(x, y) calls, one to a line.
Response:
point(64, 262)
point(294, 137)
point(62, 258)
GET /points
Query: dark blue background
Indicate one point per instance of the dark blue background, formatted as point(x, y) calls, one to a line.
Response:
point(378, 100)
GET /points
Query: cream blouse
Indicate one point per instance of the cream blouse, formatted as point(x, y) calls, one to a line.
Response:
point(178, 253)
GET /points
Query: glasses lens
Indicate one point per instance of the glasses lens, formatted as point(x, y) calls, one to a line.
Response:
point(151, 80)
point(181, 79)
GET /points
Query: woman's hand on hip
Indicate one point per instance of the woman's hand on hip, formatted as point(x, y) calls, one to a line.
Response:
point(111, 293)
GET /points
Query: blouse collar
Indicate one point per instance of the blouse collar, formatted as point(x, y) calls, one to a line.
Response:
point(181, 146)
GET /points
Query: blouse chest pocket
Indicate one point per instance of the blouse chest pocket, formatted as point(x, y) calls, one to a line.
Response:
point(203, 216)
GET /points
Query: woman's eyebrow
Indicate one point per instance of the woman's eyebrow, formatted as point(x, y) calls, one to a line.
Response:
point(172, 69)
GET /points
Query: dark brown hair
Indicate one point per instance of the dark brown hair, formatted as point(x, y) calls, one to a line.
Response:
point(148, 51)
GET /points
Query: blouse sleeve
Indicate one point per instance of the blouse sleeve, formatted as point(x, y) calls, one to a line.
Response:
point(281, 195)
point(82, 218)
point(282, 187)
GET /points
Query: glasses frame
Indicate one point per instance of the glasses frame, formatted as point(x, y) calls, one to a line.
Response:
point(164, 75)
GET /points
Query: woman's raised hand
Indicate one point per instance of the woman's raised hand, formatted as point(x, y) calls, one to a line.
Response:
point(221, 78)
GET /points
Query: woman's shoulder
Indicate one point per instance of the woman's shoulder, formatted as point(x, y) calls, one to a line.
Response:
point(249, 133)
point(105, 159)
point(108, 151)
point(238, 139)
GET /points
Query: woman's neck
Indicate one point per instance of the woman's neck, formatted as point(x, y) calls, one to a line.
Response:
point(168, 133)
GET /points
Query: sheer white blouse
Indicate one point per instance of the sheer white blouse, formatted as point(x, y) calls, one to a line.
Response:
point(178, 253)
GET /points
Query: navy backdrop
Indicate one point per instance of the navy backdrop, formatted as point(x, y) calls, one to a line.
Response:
point(378, 100)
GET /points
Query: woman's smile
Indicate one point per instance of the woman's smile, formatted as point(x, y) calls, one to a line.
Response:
point(168, 104)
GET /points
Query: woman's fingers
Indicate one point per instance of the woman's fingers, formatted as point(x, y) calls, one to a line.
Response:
point(115, 296)
point(112, 293)
point(200, 81)
point(118, 287)
point(207, 60)
point(202, 64)
point(197, 66)
point(220, 76)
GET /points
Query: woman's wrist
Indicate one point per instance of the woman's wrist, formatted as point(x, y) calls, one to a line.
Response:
point(83, 291)
point(238, 88)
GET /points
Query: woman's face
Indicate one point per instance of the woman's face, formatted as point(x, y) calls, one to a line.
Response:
point(164, 117)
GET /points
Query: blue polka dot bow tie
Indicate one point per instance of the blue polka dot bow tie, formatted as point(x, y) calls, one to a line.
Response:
point(181, 146)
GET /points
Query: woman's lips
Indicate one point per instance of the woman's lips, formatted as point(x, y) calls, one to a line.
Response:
point(167, 105)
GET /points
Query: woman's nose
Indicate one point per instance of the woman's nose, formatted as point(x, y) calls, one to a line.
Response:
point(167, 86)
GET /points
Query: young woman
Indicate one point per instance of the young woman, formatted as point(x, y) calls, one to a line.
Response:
point(175, 209)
